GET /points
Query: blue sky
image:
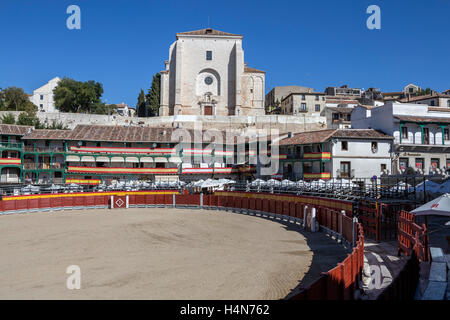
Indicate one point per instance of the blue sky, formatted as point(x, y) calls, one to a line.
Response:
point(311, 43)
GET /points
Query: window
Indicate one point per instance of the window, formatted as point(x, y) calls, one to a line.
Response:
point(42, 97)
point(317, 107)
point(303, 97)
point(374, 147)
point(317, 98)
point(383, 167)
point(345, 169)
point(403, 163)
point(435, 163)
point(420, 163)
point(411, 90)
point(432, 103)
point(448, 103)
point(446, 134)
point(344, 145)
point(208, 55)
point(404, 132)
point(209, 80)
point(303, 107)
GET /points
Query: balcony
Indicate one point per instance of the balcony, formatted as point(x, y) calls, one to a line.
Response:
point(228, 170)
point(118, 150)
point(11, 145)
point(44, 149)
point(121, 170)
point(43, 166)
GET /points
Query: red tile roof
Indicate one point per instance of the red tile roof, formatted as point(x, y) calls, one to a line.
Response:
point(16, 130)
point(425, 97)
point(423, 119)
point(248, 69)
point(325, 135)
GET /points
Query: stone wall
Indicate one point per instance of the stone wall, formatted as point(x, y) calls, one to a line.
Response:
point(284, 123)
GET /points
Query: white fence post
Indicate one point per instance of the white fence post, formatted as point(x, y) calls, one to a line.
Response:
point(127, 202)
point(112, 202)
point(313, 219)
point(201, 199)
point(174, 201)
point(305, 211)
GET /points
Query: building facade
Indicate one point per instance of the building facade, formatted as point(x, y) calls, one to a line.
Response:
point(337, 153)
point(206, 75)
point(43, 96)
point(305, 103)
point(277, 94)
point(421, 135)
point(94, 154)
point(344, 91)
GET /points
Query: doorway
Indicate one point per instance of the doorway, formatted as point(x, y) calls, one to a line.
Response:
point(207, 111)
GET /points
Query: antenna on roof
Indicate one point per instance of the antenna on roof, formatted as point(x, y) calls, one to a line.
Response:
point(209, 22)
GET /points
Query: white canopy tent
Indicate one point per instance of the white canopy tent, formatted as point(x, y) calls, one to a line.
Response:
point(439, 206)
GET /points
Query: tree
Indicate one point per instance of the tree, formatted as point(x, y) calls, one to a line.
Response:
point(141, 105)
point(422, 92)
point(29, 119)
point(78, 97)
point(8, 118)
point(15, 99)
point(153, 96)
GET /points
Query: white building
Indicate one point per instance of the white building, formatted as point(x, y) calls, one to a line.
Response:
point(421, 133)
point(337, 112)
point(335, 153)
point(43, 96)
point(206, 75)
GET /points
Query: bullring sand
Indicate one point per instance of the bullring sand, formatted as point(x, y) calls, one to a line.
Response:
point(158, 253)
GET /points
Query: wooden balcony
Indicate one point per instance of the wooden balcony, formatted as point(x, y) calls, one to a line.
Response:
point(121, 170)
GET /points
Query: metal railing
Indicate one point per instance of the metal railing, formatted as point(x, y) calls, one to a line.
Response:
point(347, 189)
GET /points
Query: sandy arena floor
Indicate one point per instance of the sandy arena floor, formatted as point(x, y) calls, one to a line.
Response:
point(157, 254)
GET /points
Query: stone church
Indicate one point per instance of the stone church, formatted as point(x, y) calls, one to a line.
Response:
point(206, 75)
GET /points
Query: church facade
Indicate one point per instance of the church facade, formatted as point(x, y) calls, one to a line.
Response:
point(206, 75)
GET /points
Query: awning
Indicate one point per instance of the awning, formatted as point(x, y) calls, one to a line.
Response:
point(146, 159)
point(161, 160)
point(132, 160)
point(117, 159)
point(73, 158)
point(87, 159)
point(102, 159)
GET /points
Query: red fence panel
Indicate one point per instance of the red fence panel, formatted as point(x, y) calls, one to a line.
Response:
point(21, 204)
point(90, 201)
point(56, 202)
point(44, 203)
point(9, 205)
point(79, 201)
point(140, 199)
